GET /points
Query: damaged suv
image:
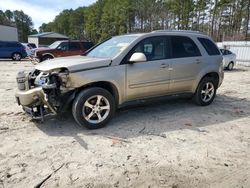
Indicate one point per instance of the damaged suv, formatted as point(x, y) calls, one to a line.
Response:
point(123, 69)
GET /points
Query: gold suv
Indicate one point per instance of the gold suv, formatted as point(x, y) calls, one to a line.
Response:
point(123, 69)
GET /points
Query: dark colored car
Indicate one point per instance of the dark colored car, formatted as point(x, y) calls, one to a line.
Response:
point(14, 50)
point(61, 49)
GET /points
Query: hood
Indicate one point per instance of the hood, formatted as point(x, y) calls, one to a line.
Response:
point(44, 49)
point(73, 63)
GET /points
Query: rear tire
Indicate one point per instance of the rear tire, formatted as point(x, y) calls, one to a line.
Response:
point(205, 92)
point(93, 108)
point(230, 66)
point(16, 56)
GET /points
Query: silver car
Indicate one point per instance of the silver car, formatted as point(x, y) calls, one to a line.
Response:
point(229, 59)
point(123, 69)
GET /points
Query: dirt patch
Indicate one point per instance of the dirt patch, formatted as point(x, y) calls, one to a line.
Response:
point(162, 143)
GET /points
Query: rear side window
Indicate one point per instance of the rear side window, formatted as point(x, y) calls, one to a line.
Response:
point(74, 46)
point(223, 51)
point(209, 46)
point(184, 47)
point(228, 52)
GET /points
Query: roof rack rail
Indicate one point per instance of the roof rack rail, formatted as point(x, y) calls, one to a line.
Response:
point(184, 31)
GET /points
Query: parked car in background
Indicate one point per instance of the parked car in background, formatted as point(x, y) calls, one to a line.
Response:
point(29, 47)
point(61, 49)
point(229, 59)
point(14, 50)
point(32, 45)
point(120, 70)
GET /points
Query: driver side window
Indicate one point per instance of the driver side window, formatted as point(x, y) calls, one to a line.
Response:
point(63, 46)
point(154, 48)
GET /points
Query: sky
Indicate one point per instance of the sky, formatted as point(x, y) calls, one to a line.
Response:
point(42, 11)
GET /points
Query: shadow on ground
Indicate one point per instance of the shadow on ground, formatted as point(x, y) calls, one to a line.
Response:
point(155, 117)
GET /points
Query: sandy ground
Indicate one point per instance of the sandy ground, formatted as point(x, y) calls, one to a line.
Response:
point(164, 143)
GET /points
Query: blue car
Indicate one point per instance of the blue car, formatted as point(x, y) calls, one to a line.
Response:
point(14, 50)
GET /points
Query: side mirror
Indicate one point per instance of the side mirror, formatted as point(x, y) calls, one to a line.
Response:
point(138, 57)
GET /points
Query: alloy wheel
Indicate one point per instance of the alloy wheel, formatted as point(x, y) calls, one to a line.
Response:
point(16, 56)
point(207, 92)
point(96, 109)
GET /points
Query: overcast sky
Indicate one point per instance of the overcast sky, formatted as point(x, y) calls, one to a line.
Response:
point(42, 11)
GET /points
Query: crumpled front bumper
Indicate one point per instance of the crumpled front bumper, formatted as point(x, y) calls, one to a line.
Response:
point(30, 97)
point(34, 103)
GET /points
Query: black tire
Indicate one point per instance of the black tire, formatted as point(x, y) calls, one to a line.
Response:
point(200, 95)
point(230, 66)
point(47, 57)
point(16, 56)
point(78, 109)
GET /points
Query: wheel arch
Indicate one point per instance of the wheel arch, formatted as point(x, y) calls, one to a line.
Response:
point(211, 74)
point(16, 52)
point(48, 54)
point(109, 86)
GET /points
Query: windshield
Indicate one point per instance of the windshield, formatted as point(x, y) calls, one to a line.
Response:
point(54, 45)
point(111, 47)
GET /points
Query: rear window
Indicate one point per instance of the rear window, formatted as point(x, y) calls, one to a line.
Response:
point(209, 46)
point(184, 47)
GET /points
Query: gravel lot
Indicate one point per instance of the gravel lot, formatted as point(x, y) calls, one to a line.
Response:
point(164, 143)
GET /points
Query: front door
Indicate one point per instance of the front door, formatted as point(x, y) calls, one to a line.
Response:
point(62, 50)
point(150, 78)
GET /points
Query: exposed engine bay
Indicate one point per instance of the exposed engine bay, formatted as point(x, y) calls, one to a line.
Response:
point(42, 93)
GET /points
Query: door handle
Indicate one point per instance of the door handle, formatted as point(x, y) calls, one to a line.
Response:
point(163, 65)
point(198, 61)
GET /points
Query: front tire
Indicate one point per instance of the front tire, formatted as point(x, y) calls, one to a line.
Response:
point(206, 92)
point(93, 108)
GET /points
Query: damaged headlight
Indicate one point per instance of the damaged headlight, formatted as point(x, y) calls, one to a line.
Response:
point(41, 79)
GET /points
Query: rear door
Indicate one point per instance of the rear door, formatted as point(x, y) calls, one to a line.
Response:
point(150, 78)
point(186, 63)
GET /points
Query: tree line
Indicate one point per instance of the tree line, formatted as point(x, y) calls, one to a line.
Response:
point(222, 19)
point(18, 19)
